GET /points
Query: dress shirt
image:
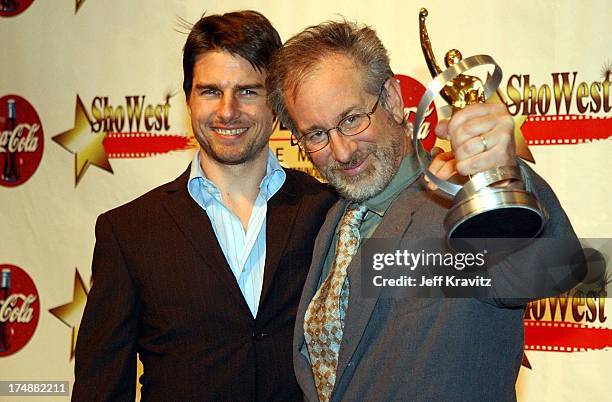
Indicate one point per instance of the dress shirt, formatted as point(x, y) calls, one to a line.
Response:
point(245, 252)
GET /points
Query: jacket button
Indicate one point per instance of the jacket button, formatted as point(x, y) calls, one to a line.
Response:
point(258, 336)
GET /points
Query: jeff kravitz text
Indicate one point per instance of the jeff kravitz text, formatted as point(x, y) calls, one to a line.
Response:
point(427, 261)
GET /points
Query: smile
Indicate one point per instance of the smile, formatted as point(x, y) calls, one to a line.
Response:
point(230, 132)
point(357, 167)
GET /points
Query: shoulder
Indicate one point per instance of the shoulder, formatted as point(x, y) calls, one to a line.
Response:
point(308, 188)
point(300, 181)
point(149, 205)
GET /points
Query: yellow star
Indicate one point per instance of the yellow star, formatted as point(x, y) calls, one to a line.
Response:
point(87, 147)
point(78, 4)
point(522, 149)
point(71, 313)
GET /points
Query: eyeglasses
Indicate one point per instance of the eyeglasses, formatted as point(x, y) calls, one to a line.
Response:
point(352, 124)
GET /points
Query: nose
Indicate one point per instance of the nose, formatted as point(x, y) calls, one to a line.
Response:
point(342, 147)
point(228, 108)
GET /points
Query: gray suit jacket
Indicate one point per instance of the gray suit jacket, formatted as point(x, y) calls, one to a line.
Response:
point(423, 349)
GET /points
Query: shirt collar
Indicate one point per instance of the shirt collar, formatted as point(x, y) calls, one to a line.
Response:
point(274, 178)
point(199, 185)
point(407, 173)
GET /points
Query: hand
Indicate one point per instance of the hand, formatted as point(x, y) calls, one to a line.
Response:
point(482, 137)
point(442, 166)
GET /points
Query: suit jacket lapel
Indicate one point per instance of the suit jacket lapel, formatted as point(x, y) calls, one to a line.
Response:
point(322, 244)
point(395, 222)
point(283, 208)
point(195, 225)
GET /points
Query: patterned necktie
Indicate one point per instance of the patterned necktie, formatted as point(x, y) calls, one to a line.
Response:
point(323, 326)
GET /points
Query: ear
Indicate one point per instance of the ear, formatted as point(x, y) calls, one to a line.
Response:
point(394, 101)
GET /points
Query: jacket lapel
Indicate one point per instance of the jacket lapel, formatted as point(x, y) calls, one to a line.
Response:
point(395, 223)
point(195, 225)
point(322, 244)
point(283, 209)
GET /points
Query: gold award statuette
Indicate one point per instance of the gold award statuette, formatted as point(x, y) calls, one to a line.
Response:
point(479, 209)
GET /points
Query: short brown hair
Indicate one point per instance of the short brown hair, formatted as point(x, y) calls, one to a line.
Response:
point(247, 34)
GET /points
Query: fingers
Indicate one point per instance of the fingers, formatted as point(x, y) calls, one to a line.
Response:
point(474, 111)
point(482, 137)
point(441, 130)
point(468, 135)
point(442, 166)
point(477, 119)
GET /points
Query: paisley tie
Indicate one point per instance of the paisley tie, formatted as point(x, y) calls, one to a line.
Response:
point(323, 326)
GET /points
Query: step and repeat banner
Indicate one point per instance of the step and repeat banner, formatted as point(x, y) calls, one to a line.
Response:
point(92, 114)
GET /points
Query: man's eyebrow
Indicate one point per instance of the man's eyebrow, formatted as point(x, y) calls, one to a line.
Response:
point(346, 112)
point(250, 86)
point(203, 85)
point(206, 86)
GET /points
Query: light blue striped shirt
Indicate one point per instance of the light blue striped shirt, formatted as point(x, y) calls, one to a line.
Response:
point(245, 252)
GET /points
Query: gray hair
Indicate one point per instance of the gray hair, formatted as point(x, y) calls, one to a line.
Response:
point(303, 52)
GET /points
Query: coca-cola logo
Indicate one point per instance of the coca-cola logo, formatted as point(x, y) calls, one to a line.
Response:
point(19, 309)
point(21, 140)
point(11, 8)
point(412, 92)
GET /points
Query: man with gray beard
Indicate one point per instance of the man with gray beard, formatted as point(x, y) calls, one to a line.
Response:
point(333, 87)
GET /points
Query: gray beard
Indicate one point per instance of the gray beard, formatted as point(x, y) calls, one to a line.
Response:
point(385, 162)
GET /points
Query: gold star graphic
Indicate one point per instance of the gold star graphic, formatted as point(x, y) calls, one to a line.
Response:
point(522, 149)
point(87, 147)
point(71, 313)
point(77, 5)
